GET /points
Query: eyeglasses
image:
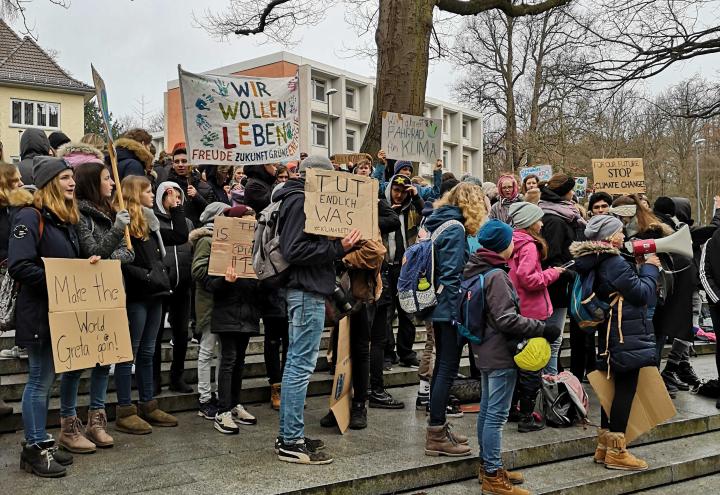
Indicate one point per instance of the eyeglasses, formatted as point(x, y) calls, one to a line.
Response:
point(178, 162)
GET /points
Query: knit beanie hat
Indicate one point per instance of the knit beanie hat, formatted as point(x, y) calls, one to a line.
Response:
point(490, 189)
point(471, 179)
point(495, 235)
point(563, 188)
point(401, 164)
point(316, 161)
point(179, 149)
point(78, 153)
point(601, 227)
point(400, 180)
point(665, 205)
point(45, 168)
point(236, 211)
point(57, 139)
point(213, 210)
point(525, 214)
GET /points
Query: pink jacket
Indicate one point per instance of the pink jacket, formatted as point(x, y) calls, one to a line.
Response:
point(529, 279)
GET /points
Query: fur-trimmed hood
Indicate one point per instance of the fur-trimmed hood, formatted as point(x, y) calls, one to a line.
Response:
point(80, 149)
point(197, 234)
point(584, 248)
point(136, 148)
point(19, 197)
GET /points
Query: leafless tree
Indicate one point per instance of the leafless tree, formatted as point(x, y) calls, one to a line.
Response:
point(17, 10)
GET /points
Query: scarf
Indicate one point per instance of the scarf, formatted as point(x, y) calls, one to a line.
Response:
point(564, 209)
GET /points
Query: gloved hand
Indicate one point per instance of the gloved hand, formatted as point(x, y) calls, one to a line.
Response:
point(122, 219)
point(551, 333)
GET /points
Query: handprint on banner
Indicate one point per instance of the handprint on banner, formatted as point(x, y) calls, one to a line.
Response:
point(202, 122)
point(209, 138)
point(202, 102)
point(292, 84)
point(222, 88)
point(432, 129)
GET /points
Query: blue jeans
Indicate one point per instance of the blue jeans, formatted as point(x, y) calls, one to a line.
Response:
point(447, 363)
point(557, 319)
point(495, 400)
point(144, 319)
point(306, 318)
point(69, 382)
point(36, 396)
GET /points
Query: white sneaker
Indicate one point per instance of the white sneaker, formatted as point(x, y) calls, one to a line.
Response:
point(15, 352)
point(224, 424)
point(241, 416)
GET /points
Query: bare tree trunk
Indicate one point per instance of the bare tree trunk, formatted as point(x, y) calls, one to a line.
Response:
point(403, 40)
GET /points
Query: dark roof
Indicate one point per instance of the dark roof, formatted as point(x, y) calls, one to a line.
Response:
point(22, 61)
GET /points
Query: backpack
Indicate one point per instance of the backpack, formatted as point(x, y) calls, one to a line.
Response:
point(416, 287)
point(585, 307)
point(268, 262)
point(564, 401)
point(471, 311)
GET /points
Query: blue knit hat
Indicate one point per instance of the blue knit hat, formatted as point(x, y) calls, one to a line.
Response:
point(401, 164)
point(495, 235)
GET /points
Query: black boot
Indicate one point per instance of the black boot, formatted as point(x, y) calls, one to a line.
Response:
point(61, 456)
point(5, 410)
point(528, 422)
point(670, 375)
point(38, 459)
point(358, 416)
point(178, 384)
point(382, 400)
point(328, 421)
point(687, 374)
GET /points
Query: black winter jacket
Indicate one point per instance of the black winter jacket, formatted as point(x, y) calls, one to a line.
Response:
point(236, 306)
point(710, 268)
point(193, 206)
point(132, 157)
point(25, 265)
point(258, 187)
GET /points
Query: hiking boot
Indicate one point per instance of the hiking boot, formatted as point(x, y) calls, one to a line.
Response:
point(299, 453)
point(71, 436)
point(687, 374)
point(38, 459)
point(422, 401)
point(242, 417)
point(62, 457)
point(672, 390)
point(439, 442)
point(328, 421)
point(461, 439)
point(530, 422)
point(514, 416)
point(498, 483)
point(358, 416)
point(224, 424)
point(179, 385)
point(128, 421)
point(275, 389)
point(207, 410)
point(515, 477)
point(670, 375)
point(381, 399)
point(5, 409)
point(313, 445)
point(96, 429)
point(618, 457)
point(157, 417)
point(601, 449)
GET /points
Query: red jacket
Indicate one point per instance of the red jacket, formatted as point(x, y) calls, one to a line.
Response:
point(529, 279)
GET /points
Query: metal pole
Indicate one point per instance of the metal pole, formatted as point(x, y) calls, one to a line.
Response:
point(327, 97)
point(697, 180)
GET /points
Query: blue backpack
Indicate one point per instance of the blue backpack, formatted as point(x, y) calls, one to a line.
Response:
point(471, 313)
point(585, 307)
point(416, 283)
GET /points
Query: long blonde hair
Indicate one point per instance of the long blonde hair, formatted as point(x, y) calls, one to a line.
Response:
point(132, 187)
point(471, 201)
point(10, 195)
point(51, 196)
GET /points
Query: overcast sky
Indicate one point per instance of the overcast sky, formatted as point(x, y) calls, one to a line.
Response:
point(136, 46)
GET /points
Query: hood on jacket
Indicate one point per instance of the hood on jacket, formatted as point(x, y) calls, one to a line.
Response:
point(589, 254)
point(547, 194)
point(33, 142)
point(258, 172)
point(442, 215)
point(521, 239)
point(214, 209)
point(135, 148)
point(482, 261)
point(388, 195)
point(19, 197)
point(683, 210)
point(197, 234)
point(78, 153)
point(164, 186)
point(290, 186)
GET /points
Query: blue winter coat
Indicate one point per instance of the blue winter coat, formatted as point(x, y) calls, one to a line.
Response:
point(634, 348)
point(25, 250)
point(451, 254)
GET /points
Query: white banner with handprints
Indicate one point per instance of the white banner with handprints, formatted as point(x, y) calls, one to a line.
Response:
point(232, 120)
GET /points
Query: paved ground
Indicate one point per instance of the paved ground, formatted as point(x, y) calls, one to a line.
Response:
point(195, 459)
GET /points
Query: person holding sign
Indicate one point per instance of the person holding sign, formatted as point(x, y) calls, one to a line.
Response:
point(146, 281)
point(47, 229)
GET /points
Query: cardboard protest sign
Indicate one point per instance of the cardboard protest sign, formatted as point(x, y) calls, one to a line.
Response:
point(351, 158)
point(338, 202)
point(408, 137)
point(544, 172)
point(341, 396)
point(651, 406)
point(232, 120)
point(232, 245)
point(619, 175)
point(580, 187)
point(88, 321)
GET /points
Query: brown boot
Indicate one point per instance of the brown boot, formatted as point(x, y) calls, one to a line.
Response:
point(128, 421)
point(618, 457)
point(71, 436)
point(499, 484)
point(275, 396)
point(149, 412)
point(515, 477)
point(96, 429)
point(601, 448)
point(439, 442)
point(461, 439)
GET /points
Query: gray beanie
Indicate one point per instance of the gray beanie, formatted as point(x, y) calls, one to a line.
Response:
point(525, 214)
point(471, 179)
point(601, 227)
point(45, 168)
point(316, 161)
point(213, 210)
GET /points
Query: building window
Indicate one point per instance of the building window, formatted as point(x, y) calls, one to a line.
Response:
point(319, 132)
point(350, 140)
point(466, 164)
point(318, 87)
point(350, 98)
point(35, 113)
point(446, 124)
point(466, 129)
point(446, 159)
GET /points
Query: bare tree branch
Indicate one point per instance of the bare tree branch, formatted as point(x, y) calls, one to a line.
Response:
point(508, 7)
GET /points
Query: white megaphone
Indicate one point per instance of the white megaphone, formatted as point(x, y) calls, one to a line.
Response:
point(678, 243)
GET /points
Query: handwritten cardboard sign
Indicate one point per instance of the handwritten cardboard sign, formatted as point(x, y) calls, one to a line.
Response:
point(338, 202)
point(351, 158)
point(88, 320)
point(619, 175)
point(232, 245)
point(341, 398)
point(544, 172)
point(413, 138)
point(232, 120)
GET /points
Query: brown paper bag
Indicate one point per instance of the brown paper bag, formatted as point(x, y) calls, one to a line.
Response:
point(341, 396)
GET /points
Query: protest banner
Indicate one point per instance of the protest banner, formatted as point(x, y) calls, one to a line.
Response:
point(232, 245)
point(351, 158)
point(580, 187)
point(341, 396)
point(619, 175)
point(408, 137)
point(233, 120)
point(86, 310)
point(338, 202)
point(544, 172)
